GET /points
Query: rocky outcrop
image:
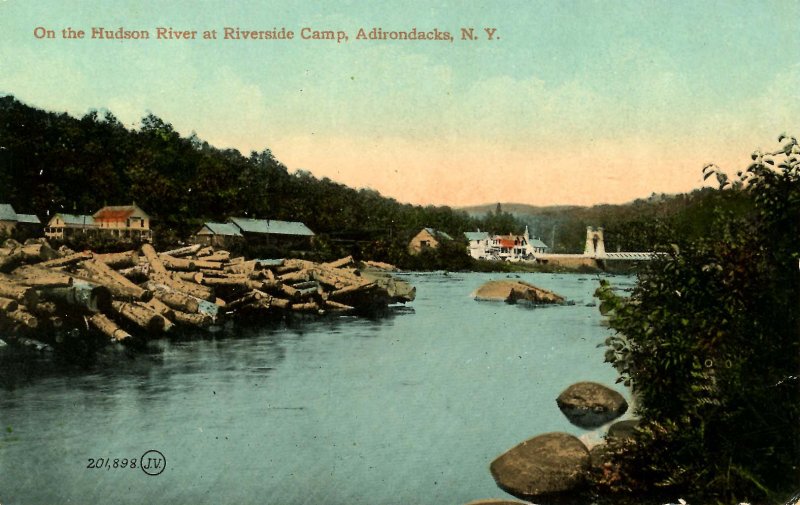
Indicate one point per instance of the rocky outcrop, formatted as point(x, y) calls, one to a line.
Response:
point(548, 464)
point(591, 405)
point(512, 291)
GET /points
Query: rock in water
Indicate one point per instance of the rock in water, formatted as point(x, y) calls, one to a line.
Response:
point(512, 291)
point(549, 464)
point(623, 430)
point(496, 501)
point(591, 405)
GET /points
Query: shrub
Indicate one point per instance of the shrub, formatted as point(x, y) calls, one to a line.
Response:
point(709, 341)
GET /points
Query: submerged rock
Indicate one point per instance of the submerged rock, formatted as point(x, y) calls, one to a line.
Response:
point(512, 291)
point(548, 464)
point(591, 405)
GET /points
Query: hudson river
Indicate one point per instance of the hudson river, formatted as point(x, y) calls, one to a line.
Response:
point(410, 408)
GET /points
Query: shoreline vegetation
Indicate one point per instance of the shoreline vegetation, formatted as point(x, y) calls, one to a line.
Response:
point(708, 340)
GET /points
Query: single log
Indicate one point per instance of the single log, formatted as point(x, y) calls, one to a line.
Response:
point(236, 260)
point(201, 320)
point(156, 266)
point(245, 267)
point(178, 300)
point(205, 251)
point(219, 302)
point(8, 305)
point(196, 277)
point(228, 280)
point(24, 317)
point(306, 307)
point(338, 307)
point(109, 328)
point(190, 288)
point(290, 291)
point(218, 256)
point(207, 265)
point(298, 276)
point(116, 282)
point(184, 251)
point(25, 295)
point(247, 299)
point(351, 289)
point(161, 308)
point(173, 263)
point(381, 266)
point(84, 295)
point(306, 285)
point(69, 259)
point(207, 272)
point(42, 277)
point(343, 262)
point(140, 316)
point(119, 260)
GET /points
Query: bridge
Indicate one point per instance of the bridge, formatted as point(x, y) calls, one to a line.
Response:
point(594, 252)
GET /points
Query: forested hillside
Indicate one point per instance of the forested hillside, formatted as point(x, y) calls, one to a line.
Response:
point(51, 162)
point(640, 225)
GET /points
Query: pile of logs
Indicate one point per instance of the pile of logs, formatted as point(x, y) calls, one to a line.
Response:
point(51, 295)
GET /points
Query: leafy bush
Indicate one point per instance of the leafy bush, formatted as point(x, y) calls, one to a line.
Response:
point(709, 341)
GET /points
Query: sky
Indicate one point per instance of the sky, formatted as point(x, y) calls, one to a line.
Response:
point(570, 102)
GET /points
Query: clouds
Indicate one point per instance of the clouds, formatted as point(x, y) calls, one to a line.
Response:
point(635, 97)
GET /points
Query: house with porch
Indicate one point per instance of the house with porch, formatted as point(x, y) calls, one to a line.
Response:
point(508, 247)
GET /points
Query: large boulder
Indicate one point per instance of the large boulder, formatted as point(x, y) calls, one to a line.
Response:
point(623, 430)
point(512, 291)
point(591, 405)
point(496, 501)
point(549, 464)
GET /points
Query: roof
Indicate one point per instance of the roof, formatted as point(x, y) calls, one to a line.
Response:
point(228, 229)
point(119, 212)
point(438, 234)
point(7, 212)
point(28, 218)
point(535, 242)
point(271, 226)
point(476, 235)
point(77, 219)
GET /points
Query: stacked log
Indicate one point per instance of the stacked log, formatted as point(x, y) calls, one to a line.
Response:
point(133, 296)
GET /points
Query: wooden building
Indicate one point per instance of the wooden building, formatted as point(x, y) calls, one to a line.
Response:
point(427, 238)
point(62, 226)
point(27, 225)
point(274, 233)
point(219, 234)
point(122, 222)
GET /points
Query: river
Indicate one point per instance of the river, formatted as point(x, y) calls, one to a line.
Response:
point(404, 409)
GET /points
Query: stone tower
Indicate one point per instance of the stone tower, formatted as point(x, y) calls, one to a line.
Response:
point(595, 247)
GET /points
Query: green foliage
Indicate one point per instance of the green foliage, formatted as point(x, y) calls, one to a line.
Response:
point(709, 341)
point(56, 163)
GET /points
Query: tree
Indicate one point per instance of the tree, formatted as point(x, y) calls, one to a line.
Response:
point(709, 341)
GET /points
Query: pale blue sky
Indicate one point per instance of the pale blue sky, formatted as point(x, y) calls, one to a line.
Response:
point(577, 102)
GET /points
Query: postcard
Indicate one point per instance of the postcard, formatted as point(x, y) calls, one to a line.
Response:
point(349, 252)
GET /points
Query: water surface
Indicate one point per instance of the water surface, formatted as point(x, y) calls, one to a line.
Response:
point(410, 408)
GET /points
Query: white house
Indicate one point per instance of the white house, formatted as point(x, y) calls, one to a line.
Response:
point(504, 247)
